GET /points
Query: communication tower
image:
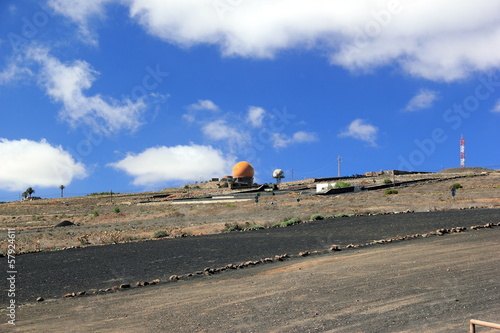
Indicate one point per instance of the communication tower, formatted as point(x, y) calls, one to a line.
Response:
point(462, 152)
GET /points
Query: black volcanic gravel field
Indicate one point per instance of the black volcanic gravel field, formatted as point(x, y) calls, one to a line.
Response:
point(53, 274)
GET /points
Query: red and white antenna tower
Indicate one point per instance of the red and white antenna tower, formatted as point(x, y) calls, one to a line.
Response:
point(462, 152)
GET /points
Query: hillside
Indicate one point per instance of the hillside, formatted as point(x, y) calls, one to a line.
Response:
point(103, 219)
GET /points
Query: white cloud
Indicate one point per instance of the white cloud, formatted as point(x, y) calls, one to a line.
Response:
point(423, 100)
point(356, 34)
point(13, 72)
point(255, 116)
point(203, 104)
point(66, 83)
point(81, 11)
point(157, 165)
point(359, 129)
point(28, 163)
point(281, 140)
point(200, 105)
point(496, 108)
point(301, 137)
point(219, 130)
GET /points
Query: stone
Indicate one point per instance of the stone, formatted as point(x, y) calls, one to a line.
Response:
point(124, 286)
point(69, 295)
point(173, 278)
point(335, 248)
point(80, 293)
point(64, 224)
point(115, 288)
point(40, 299)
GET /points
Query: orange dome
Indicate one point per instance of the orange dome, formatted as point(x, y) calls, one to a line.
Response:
point(243, 169)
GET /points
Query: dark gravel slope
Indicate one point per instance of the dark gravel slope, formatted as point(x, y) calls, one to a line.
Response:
point(52, 274)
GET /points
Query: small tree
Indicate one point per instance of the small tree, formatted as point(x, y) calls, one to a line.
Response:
point(25, 194)
point(62, 187)
point(30, 191)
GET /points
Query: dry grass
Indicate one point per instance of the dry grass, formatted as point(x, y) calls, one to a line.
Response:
point(139, 218)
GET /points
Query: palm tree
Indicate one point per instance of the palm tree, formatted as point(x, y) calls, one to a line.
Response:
point(24, 194)
point(30, 191)
point(62, 187)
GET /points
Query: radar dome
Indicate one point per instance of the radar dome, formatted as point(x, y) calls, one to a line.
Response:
point(242, 170)
point(278, 173)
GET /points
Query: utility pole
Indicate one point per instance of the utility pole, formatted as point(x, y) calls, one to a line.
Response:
point(292, 175)
point(339, 162)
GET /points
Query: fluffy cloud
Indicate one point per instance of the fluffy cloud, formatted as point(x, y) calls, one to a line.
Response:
point(14, 72)
point(359, 129)
point(281, 140)
point(423, 100)
point(356, 34)
point(80, 11)
point(255, 116)
point(220, 130)
point(28, 163)
point(201, 105)
point(179, 163)
point(66, 83)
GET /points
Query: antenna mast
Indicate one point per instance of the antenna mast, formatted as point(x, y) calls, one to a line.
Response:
point(462, 152)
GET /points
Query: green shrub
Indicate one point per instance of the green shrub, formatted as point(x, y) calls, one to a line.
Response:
point(387, 181)
point(391, 192)
point(95, 213)
point(329, 216)
point(287, 222)
point(342, 185)
point(456, 186)
point(102, 193)
point(160, 234)
point(316, 217)
point(116, 210)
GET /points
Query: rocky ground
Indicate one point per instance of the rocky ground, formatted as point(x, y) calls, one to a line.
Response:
point(428, 285)
point(433, 284)
point(134, 217)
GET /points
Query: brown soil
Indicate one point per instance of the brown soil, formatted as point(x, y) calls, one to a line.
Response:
point(140, 215)
point(428, 285)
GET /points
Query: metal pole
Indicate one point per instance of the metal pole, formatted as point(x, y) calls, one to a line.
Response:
point(474, 322)
point(339, 161)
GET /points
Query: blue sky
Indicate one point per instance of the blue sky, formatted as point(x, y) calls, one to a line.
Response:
point(129, 95)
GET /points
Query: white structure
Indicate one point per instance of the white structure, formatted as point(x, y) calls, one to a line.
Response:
point(278, 174)
point(321, 188)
